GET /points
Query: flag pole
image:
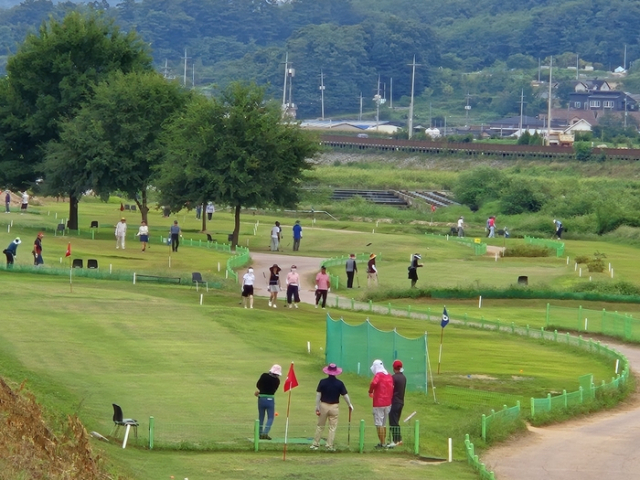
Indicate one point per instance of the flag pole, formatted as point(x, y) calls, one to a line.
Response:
point(440, 354)
point(286, 428)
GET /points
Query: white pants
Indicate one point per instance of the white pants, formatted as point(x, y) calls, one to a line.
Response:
point(120, 241)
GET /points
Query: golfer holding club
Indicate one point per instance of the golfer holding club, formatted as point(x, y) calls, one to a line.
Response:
point(327, 399)
point(267, 386)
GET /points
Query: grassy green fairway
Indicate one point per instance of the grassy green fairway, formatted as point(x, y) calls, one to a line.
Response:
point(155, 351)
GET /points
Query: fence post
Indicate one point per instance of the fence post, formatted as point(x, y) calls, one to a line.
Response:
point(555, 336)
point(566, 400)
point(361, 439)
point(151, 425)
point(513, 327)
point(484, 427)
point(416, 436)
point(409, 311)
point(581, 395)
point(533, 407)
point(549, 400)
point(352, 303)
point(389, 309)
point(256, 435)
point(370, 305)
point(337, 301)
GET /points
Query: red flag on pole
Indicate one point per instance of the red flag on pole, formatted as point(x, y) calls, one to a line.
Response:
point(68, 254)
point(291, 381)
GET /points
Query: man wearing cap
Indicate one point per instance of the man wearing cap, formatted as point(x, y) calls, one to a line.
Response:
point(372, 271)
point(274, 284)
point(121, 233)
point(381, 390)
point(351, 268)
point(297, 235)
point(327, 400)
point(37, 250)
point(397, 403)
point(323, 285)
point(267, 386)
point(11, 251)
point(413, 269)
point(248, 279)
point(275, 237)
point(293, 287)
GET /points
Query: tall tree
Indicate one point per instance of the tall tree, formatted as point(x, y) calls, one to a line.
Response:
point(113, 143)
point(237, 151)
point(53, 72)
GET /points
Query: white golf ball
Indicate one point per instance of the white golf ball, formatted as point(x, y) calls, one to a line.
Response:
point(320, 348)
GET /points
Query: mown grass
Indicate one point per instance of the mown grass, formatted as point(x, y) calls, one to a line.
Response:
point(155, 351)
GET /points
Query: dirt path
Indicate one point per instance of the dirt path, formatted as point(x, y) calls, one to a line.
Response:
point(600, 446)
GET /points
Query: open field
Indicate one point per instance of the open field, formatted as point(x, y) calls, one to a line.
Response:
point(154, 350)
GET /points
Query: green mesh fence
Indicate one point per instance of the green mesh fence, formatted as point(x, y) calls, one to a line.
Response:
point(361, 258)
point(238, 260)
point(479, 248)
point(475, 462)
point(552, 244)
point(355, 347)
point(501, 418)
point(585, 320)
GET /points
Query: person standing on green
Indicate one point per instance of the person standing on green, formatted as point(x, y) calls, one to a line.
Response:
point(176, 233)
point(267, 386)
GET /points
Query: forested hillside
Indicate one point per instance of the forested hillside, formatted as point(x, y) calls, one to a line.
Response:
point(355, 41)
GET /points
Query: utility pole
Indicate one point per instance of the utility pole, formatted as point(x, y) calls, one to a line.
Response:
point(624, 62)
point(413, 81)
point(322, 92)
point(284, 88)
point(467, 109)
point(360, 116)
point(577, 66)
point(391, 93)
point(166, 68)
point(549, 107)
point(521, 108)
point(184, 82)
point(193, 75)
point(378, 99)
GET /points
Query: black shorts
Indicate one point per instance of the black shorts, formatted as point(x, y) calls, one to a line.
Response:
point(247, 290)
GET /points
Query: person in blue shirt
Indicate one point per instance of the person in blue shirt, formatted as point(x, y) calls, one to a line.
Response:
point(176, 233)
point(297, 235)
point(11, 251)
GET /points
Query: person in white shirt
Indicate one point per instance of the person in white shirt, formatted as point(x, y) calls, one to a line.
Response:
point(461, 227)
point(248, 279)
point(25, 202)
point(210, 210)
point(275, 237)
point(121, 232)
point(143, 233)
point(293, 287)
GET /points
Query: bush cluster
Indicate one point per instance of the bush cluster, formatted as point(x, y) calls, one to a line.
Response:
point(526, 250)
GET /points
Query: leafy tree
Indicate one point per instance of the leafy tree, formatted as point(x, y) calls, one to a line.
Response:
point(521, 196)
point(475, 187)
point(113, 144)
point(53, 72)
point(235, 150)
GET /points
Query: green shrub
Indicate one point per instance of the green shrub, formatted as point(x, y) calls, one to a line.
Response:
point(522, 196)
point(527, 251)
point(582, 259)
point(608, 288)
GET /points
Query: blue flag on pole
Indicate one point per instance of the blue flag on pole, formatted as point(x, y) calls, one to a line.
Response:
point(445, 318)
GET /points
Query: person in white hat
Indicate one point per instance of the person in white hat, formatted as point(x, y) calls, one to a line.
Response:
point(11, 251)
point(267, 386)
point(413, 269)
point(327, 399)
point(248, 279)
point(121, 232)
point(461, 227)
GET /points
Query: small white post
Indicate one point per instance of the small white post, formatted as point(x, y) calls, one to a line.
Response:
point(60, 259)
point(8, 228)
point(617, 364)
point(586, 323)
point(226, 274)
point(56, 215)
point(169, 261)
point(207, 284)
point(373, 231)
point(201, 297)
point(580, 272)
point(447, 237)
point(612, 273)
point(609, 266)
point(575, 267)
point(134, 276)
point(358, 368)
point(589, 277)
point(496, 257)
point(126, 436)
point(308, 347)
point(567, 260)
point(110, 268)
point(480, 302)
point(377, 223)
point(450, 450)
point(218, 266)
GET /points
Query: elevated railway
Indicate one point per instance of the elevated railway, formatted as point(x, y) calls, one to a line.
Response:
point(344, 142)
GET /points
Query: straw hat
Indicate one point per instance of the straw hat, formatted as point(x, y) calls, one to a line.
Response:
point(373, 255)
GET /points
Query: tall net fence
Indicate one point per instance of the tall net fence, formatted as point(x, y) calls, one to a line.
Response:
point(355, 347)
point(614, 324)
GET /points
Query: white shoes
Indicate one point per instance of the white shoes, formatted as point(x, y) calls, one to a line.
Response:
point(275, 306)
point(316, 305)
point(295, 305)
point(270, 304)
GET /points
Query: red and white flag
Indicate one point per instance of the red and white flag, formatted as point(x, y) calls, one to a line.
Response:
point(291, 381)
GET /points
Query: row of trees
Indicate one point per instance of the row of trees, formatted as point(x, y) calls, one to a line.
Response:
point(83, 108)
